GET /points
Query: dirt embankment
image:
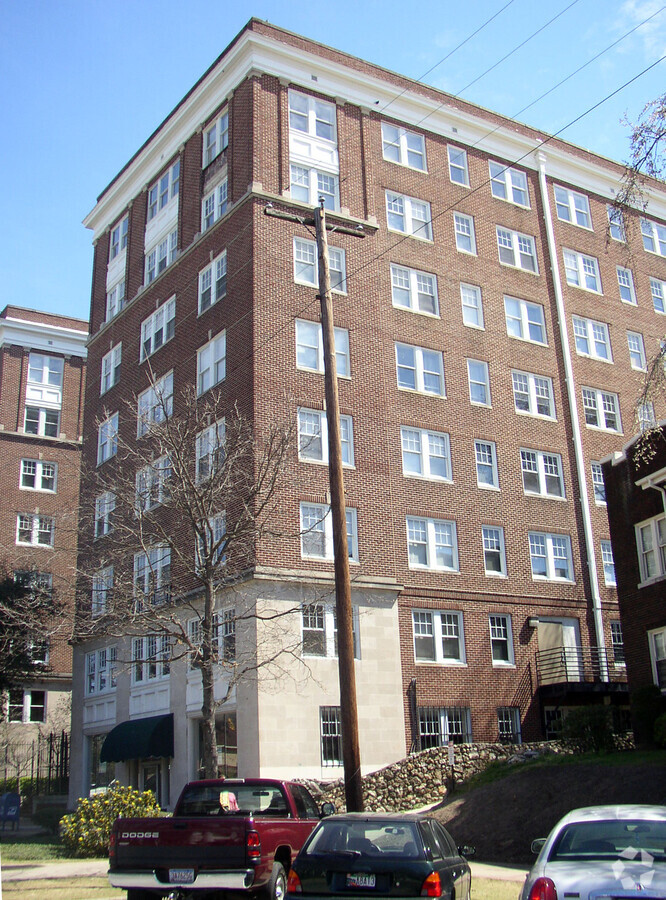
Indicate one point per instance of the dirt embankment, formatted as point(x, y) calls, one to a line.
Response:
point(501, 819)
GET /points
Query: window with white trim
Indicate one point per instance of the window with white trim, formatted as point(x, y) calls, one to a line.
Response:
point(105, 506)
point(118, 238)
point(403, 147)
point(164, 190)
point(224, 636)
point(414, 290)
point(330, 735)
point(550, 556)
point(37, 475)
point(211, 543)
point(472, 305)
point(616, 223)
point(408, 215)
point(485, 455)
point(419, 369)
point(598, 484)
point(636, 351)
point(525, 320)
point(425, 453)
point(26, 706)
point(155, 404)
point(439, 726)
point(432, 544)
point(658, 291)
point(602, 409)
point(494, 557)
point(213, 282)
point(40, 421)
point(151, 658)
point(107, 438)
point(645, 416)
point(478, 378)
point(311, 185)
point(657, 644)
point(517, 250)
point(508, 725)
point(508, 184)
point(319, 630)
point(438, 636)
point(651, 544)
point(582, 271)
point(306, 265)
point(35, 530)
point(592, 338)
point(115, 299)
point(572, 207)
point(463, 227)
point(215, 138)
point(542, 473)
point(152, 484)
point(501, 640)
point(654, 237)
point(312, 116)
point(313, 437)
point(161, 255)
point(533, 394)
point(617, 644)
point(608, 563)
point(152, 577)
point(210, 450)
point(458, 170)
point(625, 281)
point(158, 328)
point(212, 363)
point(102, 587)
point(45, 375)
point(214, 204)
point(101, 667)
point(110, 373)
point(317, 532)
point(310, 348)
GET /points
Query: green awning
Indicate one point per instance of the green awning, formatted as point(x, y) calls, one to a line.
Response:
point(139, 739)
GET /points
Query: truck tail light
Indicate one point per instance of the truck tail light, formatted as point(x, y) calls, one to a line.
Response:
point(253, 845)
point(543, 889)
point(432, 886)
point(294, 883)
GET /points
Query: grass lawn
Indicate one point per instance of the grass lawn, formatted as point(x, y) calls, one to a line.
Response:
point(15, 847)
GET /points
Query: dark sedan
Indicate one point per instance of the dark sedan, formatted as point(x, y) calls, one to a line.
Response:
point(380, 854)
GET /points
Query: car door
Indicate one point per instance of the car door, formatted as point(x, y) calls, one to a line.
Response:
point(460, 871)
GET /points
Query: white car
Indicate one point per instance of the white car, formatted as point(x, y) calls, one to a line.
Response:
point(601, 853)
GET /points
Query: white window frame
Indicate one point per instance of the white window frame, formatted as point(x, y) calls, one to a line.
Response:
point(501, 635)
point(105, 505)
point(101, 666)
point(654, 237)
point(658, 292)
point(162, 191)
point(463, 229)
point(458, 168)
point(110, 370)
point(572, 207)
point(319, 620)
point(310, 340)
point(102, 586)
point(151, 658)
point(107, 438)
point(407, 208)
point(582, 271)
point(118, 238)
point(213, 282)
point(160, 255)
point(309, 184)
point(313, 435)
point(625, 283)
point(406, 148)
point(509, 184)
point(472, 306)
point(433, 627)
point(521, 247)
point(330, 736)
point(214, 204)
point(485, 461)
point(27, 705)
point(151, 484)
point(598, 483)
point(155, 404)
point(38, 526)
point(617, 645)
point(508, 724)
point(42, 473)
point(636, 347)
point(444, 725)
point(651, 549)
point(411, 287)
point(549, 543)
point(210, 450)
point(314, 111)
point(46, 421)
point(424, 448)
point(428, 539)
point(45, 377)
point(115, 299)
point(608, 564)
point(657, 646)
point(152, 577)
point(525, 320)
point(478, 379)
point(321, 527)
point(215, 138)
point(645, 416)
point(606, 405)
point(214, 543)
point(492, 539)
point(420, 358)
point(545, 467)
point(592, 339)
point(616, 224)
point(212, 363)
point(158, 328)
point(306, 265)
point(535, 394)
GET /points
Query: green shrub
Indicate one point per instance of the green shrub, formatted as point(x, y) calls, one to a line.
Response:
point(86, 831)
point(589, 728)
point(48, 818)
point(660, 731)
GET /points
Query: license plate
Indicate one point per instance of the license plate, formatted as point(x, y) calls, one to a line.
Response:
point(181, 876)
point(361, 880)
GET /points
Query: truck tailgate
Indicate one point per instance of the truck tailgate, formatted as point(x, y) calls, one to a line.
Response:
point(172, 842)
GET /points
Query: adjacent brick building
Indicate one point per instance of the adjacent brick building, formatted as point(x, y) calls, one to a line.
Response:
point(493, 330)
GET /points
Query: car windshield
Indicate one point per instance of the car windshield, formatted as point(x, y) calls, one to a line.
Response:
point(607, 839)
point(366, 839)
point(232, 799)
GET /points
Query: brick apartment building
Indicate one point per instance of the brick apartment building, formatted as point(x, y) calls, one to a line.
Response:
point(493, 327)
point(42, 380)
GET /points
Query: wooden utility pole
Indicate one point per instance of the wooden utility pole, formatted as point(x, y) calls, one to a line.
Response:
point(351, 756)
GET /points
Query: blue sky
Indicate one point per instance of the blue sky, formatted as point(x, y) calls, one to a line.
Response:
point(86, 81)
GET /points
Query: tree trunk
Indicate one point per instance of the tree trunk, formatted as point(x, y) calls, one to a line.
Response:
point(208, 661)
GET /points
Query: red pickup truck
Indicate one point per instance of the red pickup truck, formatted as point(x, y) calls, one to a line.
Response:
point(237, 834)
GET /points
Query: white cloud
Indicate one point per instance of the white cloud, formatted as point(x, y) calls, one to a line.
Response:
point(651, 37)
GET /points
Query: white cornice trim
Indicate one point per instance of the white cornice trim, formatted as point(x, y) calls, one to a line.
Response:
point(43, 336)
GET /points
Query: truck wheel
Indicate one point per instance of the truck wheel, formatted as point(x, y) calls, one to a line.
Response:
point(277, 886)
point(138, 894)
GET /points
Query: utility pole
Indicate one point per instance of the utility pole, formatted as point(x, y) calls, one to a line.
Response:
point(351, 756)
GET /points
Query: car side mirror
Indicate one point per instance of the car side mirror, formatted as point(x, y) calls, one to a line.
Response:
point(467, 851)
point(327, 809)
point(537, 845)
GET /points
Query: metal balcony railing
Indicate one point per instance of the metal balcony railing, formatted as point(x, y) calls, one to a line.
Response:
point(576, 664)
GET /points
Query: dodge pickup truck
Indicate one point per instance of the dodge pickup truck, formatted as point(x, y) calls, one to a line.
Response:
point(225, 835)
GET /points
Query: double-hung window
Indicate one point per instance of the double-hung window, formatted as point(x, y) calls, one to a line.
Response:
point(164, 190)
point(494, 559)
point(485, 455)
point(152, 577)
point(651, 544)
point(463, 227)
point(645, 416)
point(118, 238)
point(479, 382)
point(592, 338)
point(458, 170)
point(313, 437)
point(215, 138)
point(403, 147)
point(508, 725)
point(533, 394)
point(110, 374)
point(313, 153)
point(310, 348)
point(654, 237)
point(35, 530)
point(439, 726)
point(438, 636)
point(419, 369)
point(214, 204)
point(598, 484)
point(311, 116)
point(408, 215)
point(212, 363)
point(107, 438)
point(572, 207)
point(317, 532)
point(155, 404)
point(517, 250)
point(101, 668)
point(542, 473)
point(550, 556)
point(158, 328)
point(501, 640)
point(472, 305)
point(45, 375)
point(608, 563)
point(161, 255)
point(657, 643)
point(311, 185)
point(616, 223)
point(210, 449)
point(115, 299)
point(414, 290)
point(636, 351)
point(425, 453)
point(105, 506)
point(330, 735)
point(102, 587)
point(658, 291)
point(306, 265)
point(617, 644)
point(211, 544)
point(508, 184)
point(432, 544)
point(602, 409)
point(213, 282)
point(151, 656)
point(525, 320)
point(582, 271)
point(37, 475)
point(152, 484)
point(319, 630)
point(625, 281)
point(45, 422)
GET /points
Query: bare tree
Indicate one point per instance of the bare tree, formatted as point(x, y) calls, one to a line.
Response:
point(177, 515)
point(647, 159)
